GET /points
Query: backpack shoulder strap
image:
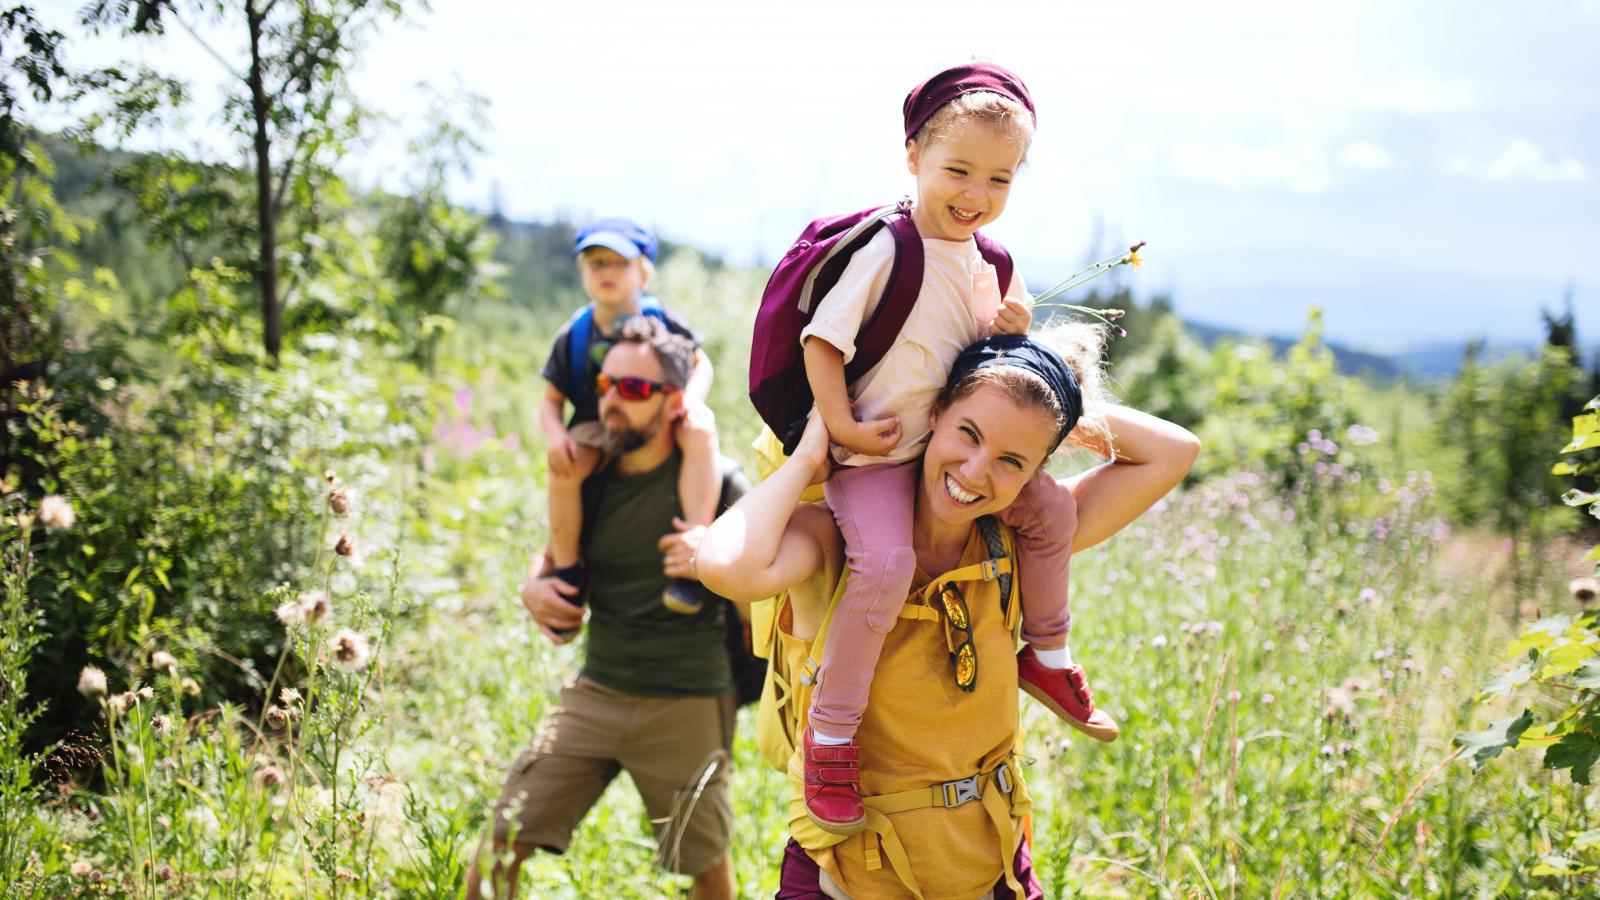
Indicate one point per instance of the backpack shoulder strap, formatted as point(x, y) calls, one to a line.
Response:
point(848, 243)
point(582, 334)
point(650, 305)
point(578, 337)
point(998, 539)
point(899, 295)
point(996, 255)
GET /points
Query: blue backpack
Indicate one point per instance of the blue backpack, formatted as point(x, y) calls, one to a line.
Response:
point(582, 331)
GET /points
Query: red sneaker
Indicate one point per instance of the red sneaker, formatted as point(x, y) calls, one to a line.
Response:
point(833, 786)
point(1066, 693)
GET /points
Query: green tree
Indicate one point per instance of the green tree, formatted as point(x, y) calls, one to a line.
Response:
point(432, 250)
point(290, 106)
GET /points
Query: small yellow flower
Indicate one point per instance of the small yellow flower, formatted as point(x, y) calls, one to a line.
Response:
point(1134, 259)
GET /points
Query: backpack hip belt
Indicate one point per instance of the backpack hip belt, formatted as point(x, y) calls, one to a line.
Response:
point(996, 790)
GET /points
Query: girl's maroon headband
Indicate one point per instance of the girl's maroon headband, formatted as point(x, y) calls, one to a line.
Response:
point(926, 98)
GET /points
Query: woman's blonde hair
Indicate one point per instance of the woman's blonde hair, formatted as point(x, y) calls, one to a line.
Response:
point(1082, 346)
point(1004, 115)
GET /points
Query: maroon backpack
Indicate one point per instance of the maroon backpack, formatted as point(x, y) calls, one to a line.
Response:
point(778, 385)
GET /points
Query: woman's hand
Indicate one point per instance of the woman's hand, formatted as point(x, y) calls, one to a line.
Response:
point(679, 549)
point(1151, 456)
point(812, 451)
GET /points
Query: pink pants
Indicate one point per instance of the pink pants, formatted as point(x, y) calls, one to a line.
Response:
point(872, 506)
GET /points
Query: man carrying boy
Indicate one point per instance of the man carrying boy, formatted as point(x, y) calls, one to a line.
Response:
point(616, 262)
point(655, 696)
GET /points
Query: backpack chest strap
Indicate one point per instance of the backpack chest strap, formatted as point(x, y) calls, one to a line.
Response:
point(982, 570)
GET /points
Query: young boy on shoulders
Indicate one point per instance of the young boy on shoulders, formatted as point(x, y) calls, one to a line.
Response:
point(616, 262)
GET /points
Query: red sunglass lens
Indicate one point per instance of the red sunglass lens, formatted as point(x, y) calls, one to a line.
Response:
point(628, 387)
point(633, 388)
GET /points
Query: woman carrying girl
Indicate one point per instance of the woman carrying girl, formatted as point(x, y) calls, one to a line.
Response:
point(938, 762)
point(967, 132)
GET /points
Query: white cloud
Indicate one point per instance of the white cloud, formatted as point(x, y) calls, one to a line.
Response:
point(1522, 161)
point(1299, 169)
point(1364, 155)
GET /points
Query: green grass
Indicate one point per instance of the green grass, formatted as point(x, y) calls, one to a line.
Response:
point(1288, 669)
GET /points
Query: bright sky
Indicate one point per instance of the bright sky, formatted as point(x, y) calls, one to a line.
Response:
point(1426, 170)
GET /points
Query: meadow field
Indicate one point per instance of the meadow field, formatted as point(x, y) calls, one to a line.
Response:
point(271, 474)
point(1291, 641)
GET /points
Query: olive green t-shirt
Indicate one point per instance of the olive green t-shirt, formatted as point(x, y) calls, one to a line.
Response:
point(636, 644)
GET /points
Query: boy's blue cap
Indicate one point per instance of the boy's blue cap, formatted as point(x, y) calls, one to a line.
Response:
point(625, 236)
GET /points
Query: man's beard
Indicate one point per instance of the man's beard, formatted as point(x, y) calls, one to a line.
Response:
point(618, 437)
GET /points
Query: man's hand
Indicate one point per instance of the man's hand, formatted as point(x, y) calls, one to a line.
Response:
point(561, 454)
point(1014, 317)
point(678, 549)
point(543, 598)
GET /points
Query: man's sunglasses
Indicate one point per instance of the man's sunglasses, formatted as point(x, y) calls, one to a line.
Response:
point(630, 387)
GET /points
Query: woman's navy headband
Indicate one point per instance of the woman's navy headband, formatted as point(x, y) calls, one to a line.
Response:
point(1019, 351)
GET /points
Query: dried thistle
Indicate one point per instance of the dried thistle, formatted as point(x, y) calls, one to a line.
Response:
point(268, 777)
point(56, 513)
point(339, 502)
point(348, 649)
point(92, 682)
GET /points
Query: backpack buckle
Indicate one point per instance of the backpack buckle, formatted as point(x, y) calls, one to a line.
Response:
point(960, 791)
point(903, 207)
point(989, 569)
point(808, 672)
point(1002, 778)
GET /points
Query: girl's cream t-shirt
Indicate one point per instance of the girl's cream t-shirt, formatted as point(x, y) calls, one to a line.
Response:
point(959, 299)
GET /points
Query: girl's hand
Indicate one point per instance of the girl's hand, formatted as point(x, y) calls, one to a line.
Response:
point(872, 438)
point(812, 451)
point(1014, 317)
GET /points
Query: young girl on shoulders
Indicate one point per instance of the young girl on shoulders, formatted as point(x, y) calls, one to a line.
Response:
point(967, 133)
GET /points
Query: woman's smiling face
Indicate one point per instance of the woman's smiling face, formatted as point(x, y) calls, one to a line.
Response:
point(983, 450)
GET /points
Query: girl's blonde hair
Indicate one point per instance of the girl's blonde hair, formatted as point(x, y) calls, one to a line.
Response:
point(1082, 346)
point(1004, 115)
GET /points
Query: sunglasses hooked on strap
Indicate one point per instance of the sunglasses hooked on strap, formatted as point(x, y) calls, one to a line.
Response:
point(958, 635)
point(630, 387)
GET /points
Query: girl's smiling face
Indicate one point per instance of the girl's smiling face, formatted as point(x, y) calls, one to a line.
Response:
point(963, 179)
point(983, 450)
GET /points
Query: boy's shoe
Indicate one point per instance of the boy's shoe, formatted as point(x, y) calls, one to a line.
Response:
point(1066, 693)
point(833, 786)
point(577, 576)
point(684, 596)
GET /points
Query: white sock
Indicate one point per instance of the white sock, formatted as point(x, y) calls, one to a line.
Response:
point(818, 737)
point(1054, 659)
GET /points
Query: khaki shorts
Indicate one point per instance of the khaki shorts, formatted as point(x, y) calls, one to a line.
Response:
point(664, 743)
